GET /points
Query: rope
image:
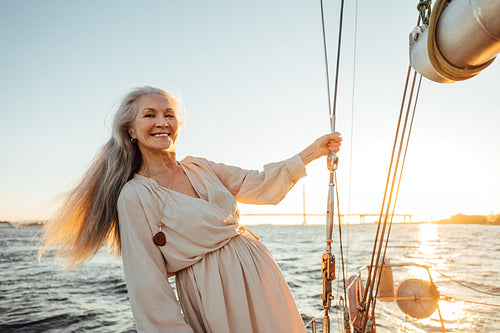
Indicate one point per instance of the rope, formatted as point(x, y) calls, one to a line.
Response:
point(352, 133)
point(466, 286)
point(440, 64)
point(361, 317)
point(387, 184)
point(372, 299)
point(400, 176)
point(339, 44)
point(369, 299)
point(314, 318)
point(326, 61)
point(389, 201)
point(424, 8)
point(467, 301)
point(344, 270)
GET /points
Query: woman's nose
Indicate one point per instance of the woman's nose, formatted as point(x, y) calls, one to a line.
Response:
point(161, 122)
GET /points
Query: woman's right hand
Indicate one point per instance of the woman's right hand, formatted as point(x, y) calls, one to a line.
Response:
point(322, 146)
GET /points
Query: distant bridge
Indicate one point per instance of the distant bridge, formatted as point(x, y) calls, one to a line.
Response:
point(406, 217)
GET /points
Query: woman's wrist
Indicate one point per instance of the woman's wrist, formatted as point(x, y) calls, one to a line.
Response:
point(309, 154)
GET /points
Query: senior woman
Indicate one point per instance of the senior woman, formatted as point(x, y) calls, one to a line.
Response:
point(170, 217)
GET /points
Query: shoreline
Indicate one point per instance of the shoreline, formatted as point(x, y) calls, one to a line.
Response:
point(456, 219)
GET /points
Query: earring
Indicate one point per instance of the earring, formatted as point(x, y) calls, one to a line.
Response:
point(133, 140)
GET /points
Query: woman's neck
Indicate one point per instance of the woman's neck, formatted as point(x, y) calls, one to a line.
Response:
point(158, 163)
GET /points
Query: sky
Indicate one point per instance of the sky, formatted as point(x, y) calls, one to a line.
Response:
point(251, 77)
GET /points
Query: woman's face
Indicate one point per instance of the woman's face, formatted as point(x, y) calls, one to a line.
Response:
point(156, 124)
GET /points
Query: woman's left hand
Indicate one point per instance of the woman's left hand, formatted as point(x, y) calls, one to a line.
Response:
point(322, 146)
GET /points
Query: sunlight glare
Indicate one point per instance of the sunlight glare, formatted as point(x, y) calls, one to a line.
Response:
point(429, 237)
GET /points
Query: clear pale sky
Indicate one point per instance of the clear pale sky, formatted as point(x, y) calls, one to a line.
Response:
point(252, 79)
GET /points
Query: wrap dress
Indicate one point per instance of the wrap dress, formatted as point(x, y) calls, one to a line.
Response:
point(226, 279)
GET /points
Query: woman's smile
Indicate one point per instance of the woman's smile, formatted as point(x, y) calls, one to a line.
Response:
point(156, 124)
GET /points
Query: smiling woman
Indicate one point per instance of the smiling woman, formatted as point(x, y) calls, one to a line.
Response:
point(88, 217)
point(169, 217)
point(155, 131)
point(156, 124)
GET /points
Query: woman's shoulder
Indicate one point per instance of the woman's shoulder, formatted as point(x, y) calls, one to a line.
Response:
point(133, 187)
point(194, 160)
point(197, 162)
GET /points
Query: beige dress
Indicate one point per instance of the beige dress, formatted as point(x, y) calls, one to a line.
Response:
point(227, 281)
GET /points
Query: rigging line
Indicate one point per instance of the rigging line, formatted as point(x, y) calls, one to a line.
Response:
point(369, 277)
point(362, 316)
point(466, 286)
point(370, 280)
point(396, 168)
point(466, 301)
point(403, 162)
point(339, 44)
point(341, 313)
point(328, 260)
point(330, 210)
point(340, 242)
point(399, 181)
point(352, 132)
point(329, 224)
point(313, 318)
point(394, 173)
point(326, 61)
point(338, 314)
point(332, 112)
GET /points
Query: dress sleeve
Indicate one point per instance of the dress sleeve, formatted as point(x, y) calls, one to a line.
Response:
point(268, 186)
point(153, 301)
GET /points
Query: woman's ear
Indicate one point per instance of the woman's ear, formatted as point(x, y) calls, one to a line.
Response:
point(131, 132)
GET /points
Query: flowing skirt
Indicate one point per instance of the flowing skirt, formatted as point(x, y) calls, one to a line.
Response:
point(236, 289)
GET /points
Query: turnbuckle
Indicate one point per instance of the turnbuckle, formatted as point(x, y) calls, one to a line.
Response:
point(328, 275)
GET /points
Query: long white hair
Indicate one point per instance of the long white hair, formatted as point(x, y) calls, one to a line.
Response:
point(88, 216)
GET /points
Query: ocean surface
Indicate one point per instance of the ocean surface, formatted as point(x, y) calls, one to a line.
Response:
point(43, 297)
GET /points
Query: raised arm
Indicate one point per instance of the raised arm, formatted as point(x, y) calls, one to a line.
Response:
point(153, 301)
point(270, 185)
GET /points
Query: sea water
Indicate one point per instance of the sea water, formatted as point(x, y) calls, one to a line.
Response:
point(43, 297)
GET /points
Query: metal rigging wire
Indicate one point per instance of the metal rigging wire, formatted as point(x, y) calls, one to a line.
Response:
point(369, 296)
point(352, 133)
point(328, 259)
point(402, 135)
point(390, 200)
point(399, 180)
point(388, 207)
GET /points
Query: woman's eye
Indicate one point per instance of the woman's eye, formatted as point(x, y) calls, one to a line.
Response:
point(169, 116)
point(149, 116)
